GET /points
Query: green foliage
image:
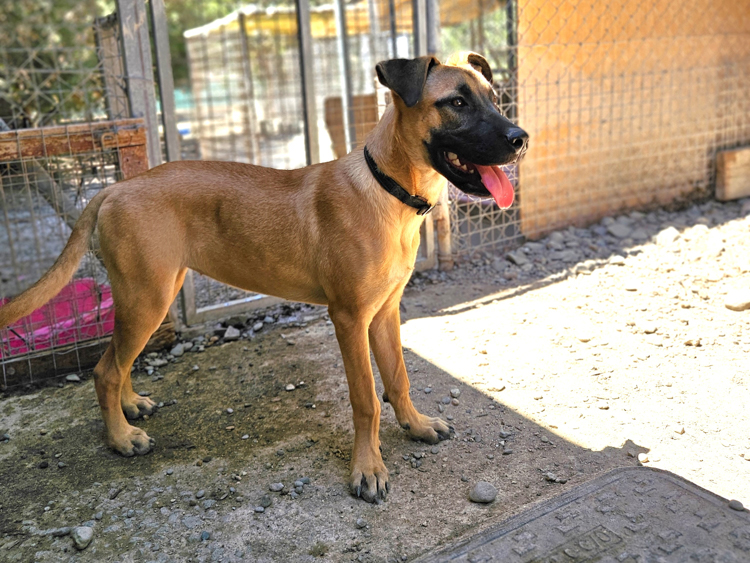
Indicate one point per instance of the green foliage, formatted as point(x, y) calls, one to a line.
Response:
point(47, 60)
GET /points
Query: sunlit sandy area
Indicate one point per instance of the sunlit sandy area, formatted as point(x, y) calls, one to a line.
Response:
point(640, 348)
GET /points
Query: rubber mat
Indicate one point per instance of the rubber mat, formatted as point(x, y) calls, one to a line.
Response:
point(631, 515)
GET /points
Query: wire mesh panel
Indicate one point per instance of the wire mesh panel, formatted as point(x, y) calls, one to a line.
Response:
point(244, 71)
point(627, 103)
point(47, 176)
point(64, 136)
point(487, 27)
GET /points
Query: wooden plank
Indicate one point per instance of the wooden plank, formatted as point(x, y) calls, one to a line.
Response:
point(71, 139)
point(133, 161)
point(733, 174)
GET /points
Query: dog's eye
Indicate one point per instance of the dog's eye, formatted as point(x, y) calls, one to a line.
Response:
point(458, 102)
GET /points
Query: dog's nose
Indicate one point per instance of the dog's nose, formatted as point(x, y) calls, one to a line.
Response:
point(518, 139)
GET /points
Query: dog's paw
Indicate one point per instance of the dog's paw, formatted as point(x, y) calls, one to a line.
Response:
point(136, 406)
point(429, 429)
point(133, 441)
point(369, 481)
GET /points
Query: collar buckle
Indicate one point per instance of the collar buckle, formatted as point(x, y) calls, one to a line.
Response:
point(425, 208)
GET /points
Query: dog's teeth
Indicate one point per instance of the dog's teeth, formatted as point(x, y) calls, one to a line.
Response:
point(452, 156)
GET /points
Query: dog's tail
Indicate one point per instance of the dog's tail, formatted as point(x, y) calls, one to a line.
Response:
point(61, 271)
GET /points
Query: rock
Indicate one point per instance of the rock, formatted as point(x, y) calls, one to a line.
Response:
point(619, 230)
point(200, 494)
point(231, 334)
point(361, 523)
point(483, 492)
point(643, 458)
point(257, 326)
point(82, 536)
point(259, 509)
point(639, 234)
point(205, 536)
point(276, 487)
point(738, 300)
point(736, 505)
point(518, 258)
point(455, 392)
point(265, 501)
point(290, 387)
point(178, 350)
point(667, 236)
point(72, 378)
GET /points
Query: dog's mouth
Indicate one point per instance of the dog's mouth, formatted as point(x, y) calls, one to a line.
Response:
point(492, 178)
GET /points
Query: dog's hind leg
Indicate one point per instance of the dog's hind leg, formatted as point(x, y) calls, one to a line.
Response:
point(133, 405)
point(385, 340)
point(369, 478)
point(140, 307)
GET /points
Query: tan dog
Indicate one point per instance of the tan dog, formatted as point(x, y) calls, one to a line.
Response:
point(328, 234)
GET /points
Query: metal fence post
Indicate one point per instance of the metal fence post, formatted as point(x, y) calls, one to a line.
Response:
point(136, 50)
point(419, 26)
point(350, 131)
point(251, 119)
point(166, 82)
point(309, 106)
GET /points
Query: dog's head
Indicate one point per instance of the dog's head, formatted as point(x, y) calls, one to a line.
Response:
point(452, 109)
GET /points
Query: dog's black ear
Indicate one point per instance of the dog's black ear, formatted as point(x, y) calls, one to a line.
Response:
point(406, 77)
point(484, 67)
point(474, 60)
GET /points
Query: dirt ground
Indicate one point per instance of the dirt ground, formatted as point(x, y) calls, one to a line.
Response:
point(572, 356)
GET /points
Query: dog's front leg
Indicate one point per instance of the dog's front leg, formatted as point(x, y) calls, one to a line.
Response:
point(385, 339)
point(369, 478)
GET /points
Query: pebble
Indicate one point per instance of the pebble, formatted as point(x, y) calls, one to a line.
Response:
point(170, 471)
point(738, 300)
point(200, 494)
point(736, 505)
point(483, 492)
point(643, 458)
point(82, 536)
point(205, 536)
point(667, 236)
point(361, 523)
point(276, 487)
point(454, 402)
point(446, 400)
point(231, 334)
point(178, 350)
point(257, 326)
point(290, 387)
point(259, 509)
point(265, 501)
point(455, 392)
point(428, 390)
point(73, 378)
point(619, 230)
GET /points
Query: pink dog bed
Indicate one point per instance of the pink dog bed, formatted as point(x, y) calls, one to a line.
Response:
point(81, 311)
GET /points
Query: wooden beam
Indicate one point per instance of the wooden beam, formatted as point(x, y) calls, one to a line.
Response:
point(733, 174)
point(71, 139)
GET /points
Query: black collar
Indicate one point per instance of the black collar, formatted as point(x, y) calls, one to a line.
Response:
point(390, 185)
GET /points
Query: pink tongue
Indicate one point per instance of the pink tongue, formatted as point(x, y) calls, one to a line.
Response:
point(498, 185)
